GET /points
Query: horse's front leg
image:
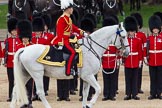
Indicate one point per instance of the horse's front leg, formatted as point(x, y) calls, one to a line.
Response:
point(85, 92)
point(40, 91)
point(93, 82)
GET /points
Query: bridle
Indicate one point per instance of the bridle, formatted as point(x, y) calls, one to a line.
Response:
point(90, 40)
point(20, 8)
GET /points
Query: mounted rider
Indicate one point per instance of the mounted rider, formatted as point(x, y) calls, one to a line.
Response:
point(64, 29)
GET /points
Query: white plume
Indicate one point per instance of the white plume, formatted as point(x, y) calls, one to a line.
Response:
point(65, 3)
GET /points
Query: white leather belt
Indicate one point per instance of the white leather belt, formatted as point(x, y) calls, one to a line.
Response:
point(11, 53)
point(155, 51)
point(109, 55)
point(133, 53)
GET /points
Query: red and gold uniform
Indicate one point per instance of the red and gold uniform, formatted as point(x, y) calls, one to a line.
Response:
point(63, 32)
point(135, 55)
point(155, 50)
point(48, 37)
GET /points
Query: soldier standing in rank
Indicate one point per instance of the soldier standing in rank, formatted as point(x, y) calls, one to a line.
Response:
point(141, 35)
point(154, 54)
point(134, 60)
point(10, 48)
point(109, 64)
point(25, 33)
point(88, 25)
point(160, 15)
point(40, 37)
point(47, 36)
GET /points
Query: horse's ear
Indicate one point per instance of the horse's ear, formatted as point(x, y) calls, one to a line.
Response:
point(121, 24)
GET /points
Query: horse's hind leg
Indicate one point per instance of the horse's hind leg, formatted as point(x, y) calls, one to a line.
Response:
point(40, 91)
point(85, 92)
point(93, 82)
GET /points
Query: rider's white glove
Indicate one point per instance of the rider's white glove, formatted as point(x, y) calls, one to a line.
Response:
point(85, 34)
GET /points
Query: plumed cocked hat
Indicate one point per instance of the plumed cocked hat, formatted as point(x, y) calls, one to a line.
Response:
point(138, 18)
point(66, 4)
point(130, 24)
point(11, 24)
point(24, 29)
point(155, 22)
point(87, 24)
point(38, 24)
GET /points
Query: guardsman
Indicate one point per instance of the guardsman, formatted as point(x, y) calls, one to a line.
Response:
point(48, 36)
point(134, 60)
point(64, 29)
point(155, 53)
point(141, 35)
point(24, 28)
point(88, 25)
point(10, 48)
point(109, 65)
point(160, 15)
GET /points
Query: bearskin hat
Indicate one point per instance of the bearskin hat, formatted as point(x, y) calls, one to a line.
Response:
point(24, 29)
point(155, 22)
point(47, 20)
point(138, 18)
point(159, 14)
point(87, 24)
point(11, 24)
point(91, 16)
point(38, 24)
point(20, 15)
point(113, 16)
point(108, 21)
point(66, 4)
point(130, 24)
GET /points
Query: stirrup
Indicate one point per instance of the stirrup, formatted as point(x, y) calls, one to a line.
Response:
point(72, 72)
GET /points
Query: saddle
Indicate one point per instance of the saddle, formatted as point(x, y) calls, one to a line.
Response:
point(55, 57)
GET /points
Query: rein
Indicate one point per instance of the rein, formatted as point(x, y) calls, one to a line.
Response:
point(20, 8)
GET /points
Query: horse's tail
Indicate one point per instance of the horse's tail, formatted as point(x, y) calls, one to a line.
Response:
point(21, 95)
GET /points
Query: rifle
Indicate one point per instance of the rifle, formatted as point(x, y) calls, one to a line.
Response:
point(6, 50)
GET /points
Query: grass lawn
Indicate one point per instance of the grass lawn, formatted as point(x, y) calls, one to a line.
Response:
point(3, 20)
point(146, 12)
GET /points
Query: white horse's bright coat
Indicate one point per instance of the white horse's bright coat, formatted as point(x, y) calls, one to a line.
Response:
point(26, 66)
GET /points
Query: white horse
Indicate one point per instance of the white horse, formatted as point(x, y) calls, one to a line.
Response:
point(94, 46)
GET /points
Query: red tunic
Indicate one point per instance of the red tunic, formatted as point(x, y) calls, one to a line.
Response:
point(64, 30)
point(12, 43)
point(135, 55)
point(37, 40)
point(48, 37)
point(142, 37)
point(155, 50)
point(21, 45)
point(109, 57)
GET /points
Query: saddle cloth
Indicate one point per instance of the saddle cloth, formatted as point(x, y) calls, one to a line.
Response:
point(54, 57)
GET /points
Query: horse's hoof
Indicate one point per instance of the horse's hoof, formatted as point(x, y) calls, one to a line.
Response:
point(87, 106)
point(30, 106)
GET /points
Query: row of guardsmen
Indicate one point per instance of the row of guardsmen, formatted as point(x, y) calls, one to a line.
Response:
point(142, 48)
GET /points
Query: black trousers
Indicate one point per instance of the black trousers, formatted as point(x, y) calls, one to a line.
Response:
point(46, 83)
point(155, 80)
point(63, 88)
point(117, 78)
point(30, 88)
point(10, 75)
point(109, 83)
point(140, 77)
point(74, 83)
point(131, 79)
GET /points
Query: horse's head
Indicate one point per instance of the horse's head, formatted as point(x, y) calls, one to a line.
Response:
point(121, 41)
